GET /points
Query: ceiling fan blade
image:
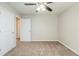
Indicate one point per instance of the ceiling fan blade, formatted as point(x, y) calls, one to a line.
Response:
point(29, 3)
point(48, 8)
point(49, 2)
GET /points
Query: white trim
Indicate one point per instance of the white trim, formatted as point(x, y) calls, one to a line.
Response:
point(69, 47)
point(40, 41)
point(45, 40)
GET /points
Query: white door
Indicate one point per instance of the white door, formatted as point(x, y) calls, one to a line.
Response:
point(25, 33)
point(7, 31)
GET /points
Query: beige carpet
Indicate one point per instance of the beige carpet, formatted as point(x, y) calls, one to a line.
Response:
point(40, 49)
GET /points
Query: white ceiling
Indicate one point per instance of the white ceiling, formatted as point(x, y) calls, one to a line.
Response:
point(57, 7)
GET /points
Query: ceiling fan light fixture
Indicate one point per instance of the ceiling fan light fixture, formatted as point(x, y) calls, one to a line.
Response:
point(41, 8)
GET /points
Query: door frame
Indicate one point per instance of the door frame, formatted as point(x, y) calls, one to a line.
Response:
point(17, 17)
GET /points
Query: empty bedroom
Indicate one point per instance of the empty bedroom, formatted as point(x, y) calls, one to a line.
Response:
point(39, 29)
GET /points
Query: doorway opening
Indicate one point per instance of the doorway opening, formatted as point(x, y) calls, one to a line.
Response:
point(17, 28)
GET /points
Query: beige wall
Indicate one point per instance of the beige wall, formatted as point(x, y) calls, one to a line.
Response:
point(44, 27)
point(69, 28)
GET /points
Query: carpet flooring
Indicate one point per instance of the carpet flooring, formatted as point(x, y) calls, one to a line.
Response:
point(40, 49)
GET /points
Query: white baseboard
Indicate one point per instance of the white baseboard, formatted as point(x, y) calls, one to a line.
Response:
point(44, 40)
point(38, 40)
point(69, 47)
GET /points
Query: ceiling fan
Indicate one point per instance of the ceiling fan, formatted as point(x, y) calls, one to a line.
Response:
point(41, 6)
